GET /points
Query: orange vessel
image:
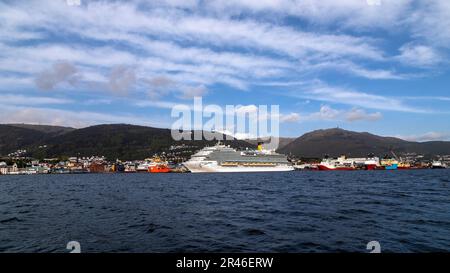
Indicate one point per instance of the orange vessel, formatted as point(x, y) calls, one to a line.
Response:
point(159, 168)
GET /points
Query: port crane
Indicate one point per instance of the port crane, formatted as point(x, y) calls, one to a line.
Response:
point(395, 155)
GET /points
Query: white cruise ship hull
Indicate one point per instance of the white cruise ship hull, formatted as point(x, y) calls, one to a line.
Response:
point(200, 168)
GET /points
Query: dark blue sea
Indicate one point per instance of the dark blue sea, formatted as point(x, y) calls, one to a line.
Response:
point(405, 211)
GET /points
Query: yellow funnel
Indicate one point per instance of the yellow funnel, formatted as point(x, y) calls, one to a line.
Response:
point(260, 147)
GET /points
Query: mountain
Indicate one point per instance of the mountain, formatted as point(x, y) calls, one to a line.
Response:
point(13, 138)
point(122, 141)
point(48, 129)
point(130, 142)
point(336, 142)
point(22, 136)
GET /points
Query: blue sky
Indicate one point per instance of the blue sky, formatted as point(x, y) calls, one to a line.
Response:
point(366, 65)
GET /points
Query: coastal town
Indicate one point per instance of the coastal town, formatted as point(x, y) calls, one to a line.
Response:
point(18, 163)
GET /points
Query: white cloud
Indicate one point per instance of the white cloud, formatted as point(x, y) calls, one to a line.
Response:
point(12, 99)
point(97, 102)
point(238, 135)
point(437, 98)
point(15, 81)
point(76, 119)
point(343, 13)
point(431, 21)
point(327, 113)
point(419, 55)
point(292, 117)
point(319, 91)
point(360, 114)
point(243, 109)
point(34, 59)
point(430, 136)
point(156, 103)
point(354, 69)
point(191, 92)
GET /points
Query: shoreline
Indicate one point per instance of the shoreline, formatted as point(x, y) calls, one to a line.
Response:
point(187, 172)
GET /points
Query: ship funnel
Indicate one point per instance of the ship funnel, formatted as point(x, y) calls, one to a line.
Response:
point(260, 146)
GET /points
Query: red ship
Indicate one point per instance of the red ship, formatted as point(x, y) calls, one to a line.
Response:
point(335, 168)
point(159, 168)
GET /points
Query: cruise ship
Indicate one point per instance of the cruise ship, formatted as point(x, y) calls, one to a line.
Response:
point(221, 158)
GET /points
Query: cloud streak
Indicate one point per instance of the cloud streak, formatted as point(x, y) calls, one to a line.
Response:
point(319, 91)
point(429, 136)
point(12, 99)
point(76, 119)
point(327, 113)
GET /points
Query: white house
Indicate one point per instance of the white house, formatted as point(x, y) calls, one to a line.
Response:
point(3, 170)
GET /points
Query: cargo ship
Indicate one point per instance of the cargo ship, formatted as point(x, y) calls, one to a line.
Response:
point(372, 163)
point(389, 164)
point(438, 165)
point(395, 163)
point(403, 166)
point(222, 158)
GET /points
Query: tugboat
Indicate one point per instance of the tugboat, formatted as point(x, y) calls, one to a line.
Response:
point(158, 166)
